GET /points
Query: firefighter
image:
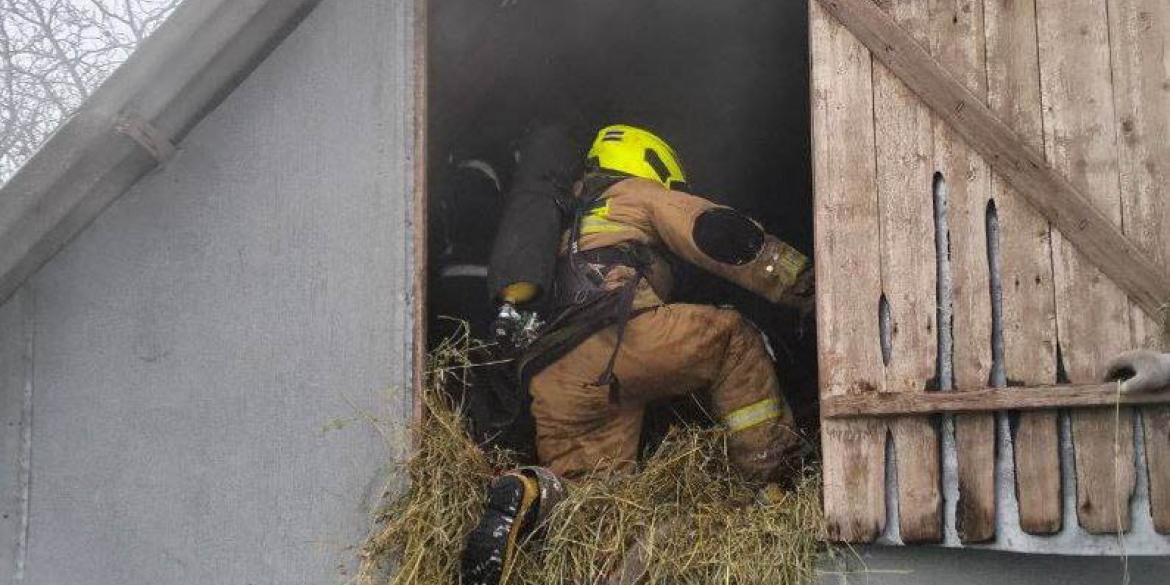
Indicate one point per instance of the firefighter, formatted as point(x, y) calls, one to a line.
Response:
point(614, 341)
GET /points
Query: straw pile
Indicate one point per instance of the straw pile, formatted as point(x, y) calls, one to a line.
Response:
point(693, 519)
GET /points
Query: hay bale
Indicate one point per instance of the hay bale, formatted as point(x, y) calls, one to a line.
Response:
point(697, 520)
point(693, 518)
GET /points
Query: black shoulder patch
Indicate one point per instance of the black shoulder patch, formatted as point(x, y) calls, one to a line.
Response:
point(728, 236)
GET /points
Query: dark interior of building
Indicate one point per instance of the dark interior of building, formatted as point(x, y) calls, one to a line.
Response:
point(726, 83)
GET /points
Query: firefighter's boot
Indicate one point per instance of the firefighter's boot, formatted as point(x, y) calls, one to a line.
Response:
point(517, 503)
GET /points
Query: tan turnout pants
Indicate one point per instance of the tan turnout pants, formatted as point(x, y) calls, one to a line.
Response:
point(669, 351)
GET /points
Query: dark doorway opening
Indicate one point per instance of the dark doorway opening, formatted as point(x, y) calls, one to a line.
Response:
point(726, 83)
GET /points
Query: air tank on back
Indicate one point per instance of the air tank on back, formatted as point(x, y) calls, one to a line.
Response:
point(535, 205)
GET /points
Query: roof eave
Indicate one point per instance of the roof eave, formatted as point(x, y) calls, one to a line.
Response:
point(182, 72)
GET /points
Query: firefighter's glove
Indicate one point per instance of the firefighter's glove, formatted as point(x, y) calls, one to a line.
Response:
point(506, 328)
point(1141, 370)
point(802, 298)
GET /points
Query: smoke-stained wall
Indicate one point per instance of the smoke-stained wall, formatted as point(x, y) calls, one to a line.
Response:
point(725, 82)
point(206, 357)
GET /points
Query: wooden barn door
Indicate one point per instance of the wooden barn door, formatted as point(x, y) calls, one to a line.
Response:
point(992, 224)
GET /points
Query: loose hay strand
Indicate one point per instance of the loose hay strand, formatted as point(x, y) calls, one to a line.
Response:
point(695, 519)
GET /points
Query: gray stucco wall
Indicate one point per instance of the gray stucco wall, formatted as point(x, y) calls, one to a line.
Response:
point(208, 356)
point(15, 370)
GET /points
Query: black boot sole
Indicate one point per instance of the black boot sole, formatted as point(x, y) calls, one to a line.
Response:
point(491, 545)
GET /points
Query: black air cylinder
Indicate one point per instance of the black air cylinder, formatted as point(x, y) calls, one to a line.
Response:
point(529, 236)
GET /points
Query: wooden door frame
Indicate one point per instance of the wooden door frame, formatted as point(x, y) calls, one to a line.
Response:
point(418, 217)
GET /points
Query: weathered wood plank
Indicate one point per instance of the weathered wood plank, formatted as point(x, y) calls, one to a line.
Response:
point(908, 266)
point(848, 278)
point(1077, 93)
point(887, 404)
point(1140, 37)
point(1156, 433)
point(1029, 310)
point(956, 41)
point(1090, 229)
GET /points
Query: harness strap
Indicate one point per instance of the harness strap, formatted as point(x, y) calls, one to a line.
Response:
point(581, 295)
point(625, 312)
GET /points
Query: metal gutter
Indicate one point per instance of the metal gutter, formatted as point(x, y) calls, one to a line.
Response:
point(132, 122)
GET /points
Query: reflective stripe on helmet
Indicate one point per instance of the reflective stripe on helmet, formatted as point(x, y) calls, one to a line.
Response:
point(752, 415)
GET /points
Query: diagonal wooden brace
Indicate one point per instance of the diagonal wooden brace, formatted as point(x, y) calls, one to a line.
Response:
point(1092, 232)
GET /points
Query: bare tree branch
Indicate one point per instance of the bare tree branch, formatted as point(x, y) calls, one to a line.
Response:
point(53, 55)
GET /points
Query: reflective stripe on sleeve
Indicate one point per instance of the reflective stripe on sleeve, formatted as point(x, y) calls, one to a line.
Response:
point(598, 222)
point(793, 262)
point(597, 225)
point(753, 414)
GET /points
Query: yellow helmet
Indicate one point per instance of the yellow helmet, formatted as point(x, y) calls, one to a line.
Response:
point(637, 152)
